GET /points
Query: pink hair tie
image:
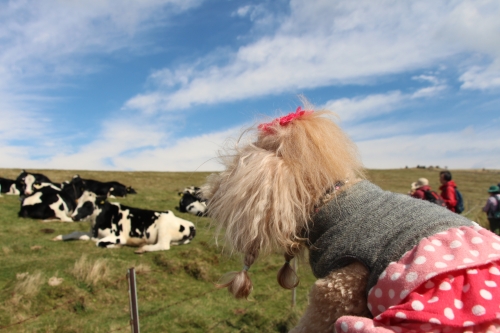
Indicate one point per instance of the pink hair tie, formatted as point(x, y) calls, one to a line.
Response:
point(282, 121)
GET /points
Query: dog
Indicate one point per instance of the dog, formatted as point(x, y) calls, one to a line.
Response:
point(385, 262)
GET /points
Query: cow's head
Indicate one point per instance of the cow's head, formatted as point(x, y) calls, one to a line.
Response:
point(24, 183)
point(75, 187)
point(198, 208)
point(87, 206)
point(131, 190)
point(191, 201)
point(185, 229)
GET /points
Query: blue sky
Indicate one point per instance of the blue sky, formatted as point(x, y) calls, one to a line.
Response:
point(162, 84)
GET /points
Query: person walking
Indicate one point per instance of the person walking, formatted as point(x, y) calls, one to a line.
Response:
point(447, 188)
point(492, 208)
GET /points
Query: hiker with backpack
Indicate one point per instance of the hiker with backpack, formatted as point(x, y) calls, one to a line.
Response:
point(421, 190)
point(492, 208)
point(448, 190)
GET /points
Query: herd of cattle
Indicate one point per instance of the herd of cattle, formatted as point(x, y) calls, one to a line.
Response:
point(112, 223)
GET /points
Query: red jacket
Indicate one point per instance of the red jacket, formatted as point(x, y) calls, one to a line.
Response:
point(448, 194)
point(419, 192)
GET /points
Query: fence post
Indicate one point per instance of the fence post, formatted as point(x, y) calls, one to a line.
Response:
point(294, 290)
point(134, 306)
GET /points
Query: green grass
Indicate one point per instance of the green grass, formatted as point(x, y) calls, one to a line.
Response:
point(175, 288)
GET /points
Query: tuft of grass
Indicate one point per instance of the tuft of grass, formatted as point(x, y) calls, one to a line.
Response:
point(28, 285)
point(198, 270)
point(90, 272)
point(142, 269)
point(55, 281)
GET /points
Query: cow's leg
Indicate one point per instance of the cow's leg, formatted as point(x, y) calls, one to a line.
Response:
point(75, 235)
point(159, 246)
point(111, 242)
point(163, 240)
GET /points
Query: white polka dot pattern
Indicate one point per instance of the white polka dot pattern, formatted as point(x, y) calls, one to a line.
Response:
point(433, 256)
point(448, 281)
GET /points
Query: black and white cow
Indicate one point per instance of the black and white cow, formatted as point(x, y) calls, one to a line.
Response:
point(9, 186)
point(51, 204)
point(192, 202)
point(116, 225)
point(110, 189)
point(26, 179)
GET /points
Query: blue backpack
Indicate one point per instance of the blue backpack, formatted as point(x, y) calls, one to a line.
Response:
point(459, 208)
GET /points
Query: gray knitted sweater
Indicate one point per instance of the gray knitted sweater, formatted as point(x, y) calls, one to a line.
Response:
point(373, 226)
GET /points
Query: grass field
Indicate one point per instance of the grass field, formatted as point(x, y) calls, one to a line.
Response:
point(175, 288)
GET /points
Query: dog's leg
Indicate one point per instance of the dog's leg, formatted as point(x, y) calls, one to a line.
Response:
point(342, 292)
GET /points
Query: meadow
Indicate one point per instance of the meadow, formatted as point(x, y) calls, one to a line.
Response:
point(48, 286)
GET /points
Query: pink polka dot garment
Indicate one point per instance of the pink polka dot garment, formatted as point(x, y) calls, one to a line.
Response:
point(450, 282)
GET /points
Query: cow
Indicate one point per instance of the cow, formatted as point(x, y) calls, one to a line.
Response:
point(115, 225)
point(192, 202)
point(26, 179)
point(9, 186)
point(111, 189)
point(51, 204)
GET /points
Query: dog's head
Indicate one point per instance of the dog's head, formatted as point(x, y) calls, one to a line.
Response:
point(272, 184)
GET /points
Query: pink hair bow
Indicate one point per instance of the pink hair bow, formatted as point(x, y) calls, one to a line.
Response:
point(268, 127)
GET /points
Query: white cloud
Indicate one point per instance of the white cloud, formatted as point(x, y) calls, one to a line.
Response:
point(482, 78)
point(474, 26)
point(46, 36)
point(43, 43)
point(242, 11)
point(429, 91)
point(326, 43)
point(427, 78)
point(361, 108)
point(128, 143)
point(466, 149)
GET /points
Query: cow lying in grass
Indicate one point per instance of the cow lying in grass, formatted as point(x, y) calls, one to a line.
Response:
point(50, 203)
point(115, 225)
point(9, 186)
point(110, 189)
point(192, 202)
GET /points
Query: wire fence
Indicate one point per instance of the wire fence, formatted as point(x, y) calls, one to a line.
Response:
point(130, 325)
